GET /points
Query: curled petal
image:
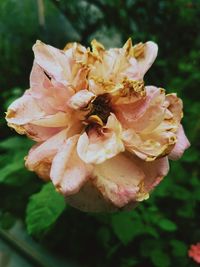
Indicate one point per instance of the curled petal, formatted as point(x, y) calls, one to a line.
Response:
point(24, 110)
point(68, 171)
point(40, 156)
point(55, 94)
point(145, 113)
point(53, 60)
point(61, 65)
point(181, 145)
point(175, 106)
point(81, 99)
point(101, 143)
point(145, 61)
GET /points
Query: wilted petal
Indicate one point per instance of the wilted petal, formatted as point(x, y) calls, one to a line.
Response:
point(181, 145)
point(101, 143)
point(119, 183)
point(55, 94)
point(40, 156)
point(24, 110)
point(53, 60)
point(144, 114)
point(145, 62)
point(175, 106)
point(154, 171)
point(61, 65)
point(118, 179)
point(68, 171)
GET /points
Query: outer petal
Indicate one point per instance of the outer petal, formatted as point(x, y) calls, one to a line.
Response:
point(61, 65)
point(131, 114)
point(53, 60)
point(145, 62)
point(101, 143)
point(175, 106)
point(124, 179)
point(181, 145)
point(55, 94)
point(68, 171)
point(118, 179)
point(119, 183)
point(24, 110)
point(40, 156)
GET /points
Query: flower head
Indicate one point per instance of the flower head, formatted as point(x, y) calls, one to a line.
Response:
point(194, 252)
point(103, 136)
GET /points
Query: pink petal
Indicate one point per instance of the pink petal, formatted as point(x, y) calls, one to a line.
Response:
point(59, 119)
point(119, 183)
point(55, 94)
point(68, 171)
point(81, 99)
point(146, 113)
point(53, 60)
point(118, 179)
point(41, 155)
point(61, 65)
point(181, 145)
point(154, 171)
point(40, 133)
point(101, 143)
point(151, 51)
point(24, 110)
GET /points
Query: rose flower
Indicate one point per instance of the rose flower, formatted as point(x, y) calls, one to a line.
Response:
point(103, 137)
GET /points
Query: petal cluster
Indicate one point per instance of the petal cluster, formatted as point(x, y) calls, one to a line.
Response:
point(102, 136)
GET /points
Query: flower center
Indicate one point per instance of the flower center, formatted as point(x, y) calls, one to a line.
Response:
point(101, 108)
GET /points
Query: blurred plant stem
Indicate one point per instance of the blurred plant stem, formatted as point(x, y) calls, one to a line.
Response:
point(41, 12)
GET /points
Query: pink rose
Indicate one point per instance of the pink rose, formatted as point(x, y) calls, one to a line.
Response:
point(103, 137)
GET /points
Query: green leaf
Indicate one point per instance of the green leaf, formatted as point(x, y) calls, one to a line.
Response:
point(43, 210)
point(159, 258)
point(179, 248)
point(167, 225)
point(16, 144)
point(125, 227)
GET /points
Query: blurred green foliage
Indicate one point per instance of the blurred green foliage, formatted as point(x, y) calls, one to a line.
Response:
point(160, 230)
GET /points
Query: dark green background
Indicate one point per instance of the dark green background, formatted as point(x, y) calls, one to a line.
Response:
point(159, 232)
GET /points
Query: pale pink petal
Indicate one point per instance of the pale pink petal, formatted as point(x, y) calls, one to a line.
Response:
point(41, 155)
point(118, 179)
point(59, 119)
point(68, 171)
point(61, 65)
point(24, 110)
point(144, 114)
point(100, 144)
point(150, 54)
point(81, 99)
point(154, 171)
point(119, 183)
point(55, 94)
point(181, 145)
point(54, 61)
point(39, 133)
